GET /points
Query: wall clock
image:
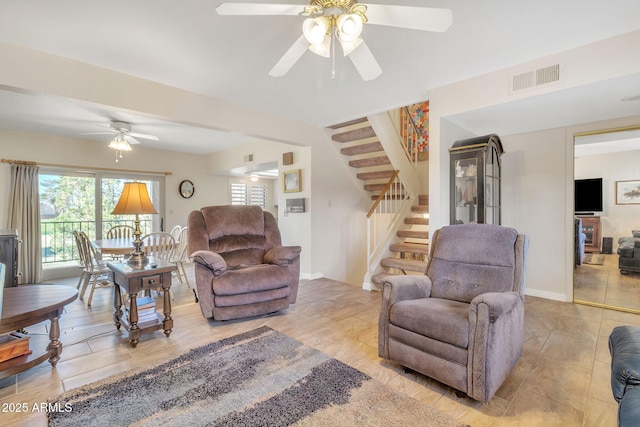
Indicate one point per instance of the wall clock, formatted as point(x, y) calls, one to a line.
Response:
point(186, 189)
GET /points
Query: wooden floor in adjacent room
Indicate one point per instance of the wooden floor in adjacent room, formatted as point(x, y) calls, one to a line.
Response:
point(562, 378)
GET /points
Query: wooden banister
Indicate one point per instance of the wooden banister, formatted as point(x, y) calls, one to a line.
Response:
point(384, 192)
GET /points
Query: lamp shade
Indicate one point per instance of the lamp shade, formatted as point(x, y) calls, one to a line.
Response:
point(134, 200)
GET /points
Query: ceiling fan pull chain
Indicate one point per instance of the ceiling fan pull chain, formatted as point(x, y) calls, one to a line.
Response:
point(333, 55)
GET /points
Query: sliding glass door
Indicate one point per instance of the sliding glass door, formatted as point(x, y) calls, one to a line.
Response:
point(83, 201)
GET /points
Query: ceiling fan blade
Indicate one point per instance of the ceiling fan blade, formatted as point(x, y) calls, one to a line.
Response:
point(131, 140)
point(143, 136)
point(415, 18)
point(365, 62)
point(258, 9)
point(292, 56)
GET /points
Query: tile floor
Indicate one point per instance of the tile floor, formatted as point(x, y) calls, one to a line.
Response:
point(604, 284)
point(562, 378)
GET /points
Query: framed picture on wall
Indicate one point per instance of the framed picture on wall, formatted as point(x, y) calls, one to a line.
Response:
point(628, 192)
point(291, 181)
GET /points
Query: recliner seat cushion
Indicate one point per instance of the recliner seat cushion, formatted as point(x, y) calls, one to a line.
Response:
point(440, 319)
point(257, 278)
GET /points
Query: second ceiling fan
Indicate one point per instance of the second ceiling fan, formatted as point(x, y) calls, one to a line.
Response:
point(331, 21)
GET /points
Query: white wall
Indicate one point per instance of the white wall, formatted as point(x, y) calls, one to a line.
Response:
point(534, 171)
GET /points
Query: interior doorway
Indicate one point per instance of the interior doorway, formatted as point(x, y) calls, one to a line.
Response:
point(613, 156)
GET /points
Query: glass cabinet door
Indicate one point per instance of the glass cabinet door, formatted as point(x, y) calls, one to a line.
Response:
point(466, 191)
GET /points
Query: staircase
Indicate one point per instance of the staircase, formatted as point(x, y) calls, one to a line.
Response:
point(412, 249)
point(398, 220)
point(364, 152)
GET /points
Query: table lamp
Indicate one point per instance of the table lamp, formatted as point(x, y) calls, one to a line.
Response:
point(135, 200)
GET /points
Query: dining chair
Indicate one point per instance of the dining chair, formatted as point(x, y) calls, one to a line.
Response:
point(175, 232)
point(94, 271)
point(181, 257)
point(119, 231)
point(159, 245)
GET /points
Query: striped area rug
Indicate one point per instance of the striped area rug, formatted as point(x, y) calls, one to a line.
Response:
point(258, 378)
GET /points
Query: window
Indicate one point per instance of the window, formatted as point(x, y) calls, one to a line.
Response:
point(83, 201)
point(248, 194)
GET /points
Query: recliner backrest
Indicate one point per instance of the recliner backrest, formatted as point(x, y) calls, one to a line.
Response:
point(240, 234)
point(467, 260)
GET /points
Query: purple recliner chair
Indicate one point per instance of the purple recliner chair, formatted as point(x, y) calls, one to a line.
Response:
point(241, 267)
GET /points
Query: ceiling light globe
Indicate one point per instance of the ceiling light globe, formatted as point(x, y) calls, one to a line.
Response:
point(349, 27)
point(315, 29)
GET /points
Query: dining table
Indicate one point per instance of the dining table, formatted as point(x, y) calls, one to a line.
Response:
point(114, 246)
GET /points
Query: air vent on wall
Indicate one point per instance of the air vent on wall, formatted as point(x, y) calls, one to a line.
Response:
point(535, 78)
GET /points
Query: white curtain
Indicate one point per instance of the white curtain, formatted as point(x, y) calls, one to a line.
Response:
point(24, 215)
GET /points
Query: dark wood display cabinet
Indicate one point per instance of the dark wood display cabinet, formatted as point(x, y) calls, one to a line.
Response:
point(476, 180)
point(9, 256)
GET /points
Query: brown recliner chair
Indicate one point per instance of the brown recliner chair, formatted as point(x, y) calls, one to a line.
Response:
point(241, 267)
point(462, 323)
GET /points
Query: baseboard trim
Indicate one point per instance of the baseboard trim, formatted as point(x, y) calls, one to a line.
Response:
point(311, 276)
point(547, 295)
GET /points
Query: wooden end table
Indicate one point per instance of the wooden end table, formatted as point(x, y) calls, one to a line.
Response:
point(25, 306)
point(155, 274)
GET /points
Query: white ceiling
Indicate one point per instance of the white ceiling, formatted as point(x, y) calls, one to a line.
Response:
point(185, 44)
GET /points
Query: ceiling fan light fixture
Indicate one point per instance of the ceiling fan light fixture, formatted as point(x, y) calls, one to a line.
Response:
point(323, 48)
point(119, 144)
point(315, 29)
point(349, 27)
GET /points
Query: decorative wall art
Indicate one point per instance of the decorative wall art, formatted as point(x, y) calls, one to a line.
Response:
point(628, 192)
point(417, 134)
point(291, 181)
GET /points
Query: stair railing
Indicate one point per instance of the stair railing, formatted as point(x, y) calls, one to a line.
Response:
point(383, 216)
point(410, 135)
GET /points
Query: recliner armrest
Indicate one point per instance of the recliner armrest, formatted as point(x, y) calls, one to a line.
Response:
point(399, 288)
point(211, 260)
point(499, 303)
point(282, 255)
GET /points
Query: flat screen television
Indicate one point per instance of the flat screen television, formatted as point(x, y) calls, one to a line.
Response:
point(588, 195)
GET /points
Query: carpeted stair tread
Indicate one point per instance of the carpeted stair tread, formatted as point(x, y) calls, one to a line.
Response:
point(354, 135)
point(414, 234)
point(416, 220)
point(404, 264)
point(414, 248)
point(370, 161)
point(383, 174)
point(420, 209)
point(370, 147)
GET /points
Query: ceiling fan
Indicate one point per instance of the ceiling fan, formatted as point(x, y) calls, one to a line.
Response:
point(342, 20)
point(123, 136)
point(123, 130)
